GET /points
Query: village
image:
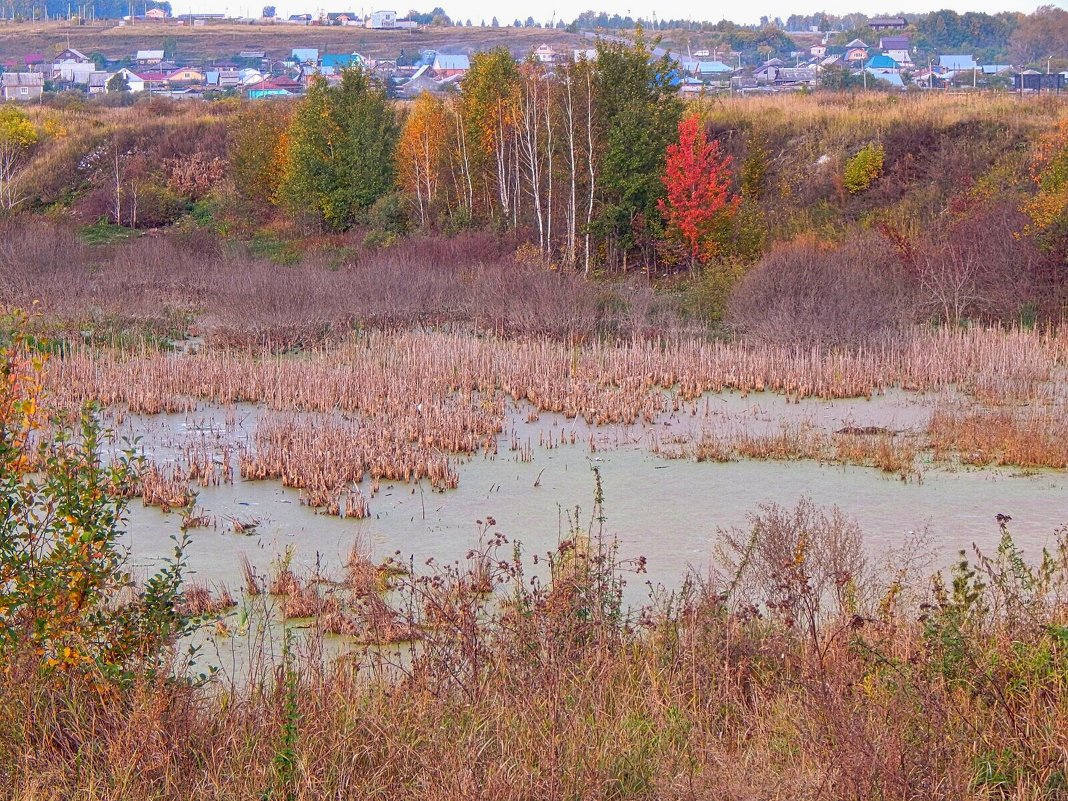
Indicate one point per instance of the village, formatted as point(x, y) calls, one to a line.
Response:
point(889, 62)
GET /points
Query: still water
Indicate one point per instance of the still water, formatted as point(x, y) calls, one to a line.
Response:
point(668, 511)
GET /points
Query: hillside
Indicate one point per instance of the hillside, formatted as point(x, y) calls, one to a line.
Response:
point(223, 40)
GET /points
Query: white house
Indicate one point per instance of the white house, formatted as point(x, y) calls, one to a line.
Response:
point(382, 20)
point(133, 80)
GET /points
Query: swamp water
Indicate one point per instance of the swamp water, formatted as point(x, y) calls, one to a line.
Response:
point(668, 511)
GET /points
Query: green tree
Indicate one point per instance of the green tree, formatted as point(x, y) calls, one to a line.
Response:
point(341, 149)
point(638, 115)
point(118, 83)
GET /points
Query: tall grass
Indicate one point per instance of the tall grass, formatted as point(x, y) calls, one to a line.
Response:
point(805, 673)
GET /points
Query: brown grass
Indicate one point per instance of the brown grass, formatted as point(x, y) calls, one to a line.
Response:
point(809, 675)
point(198, 600)
point(1029, 437)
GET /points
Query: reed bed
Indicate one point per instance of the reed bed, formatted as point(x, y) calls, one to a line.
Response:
point(453, 382)
point(165, 486)
point(198, 600)
point(406, 407)
point(890, 452)
point(1031, 438)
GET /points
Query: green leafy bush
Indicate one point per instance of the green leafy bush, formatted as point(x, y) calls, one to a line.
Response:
point(64, 596)
point(863, 169)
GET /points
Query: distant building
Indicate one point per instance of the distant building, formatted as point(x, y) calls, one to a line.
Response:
point(335, 62)
point(382, 20)
point(149, 58)
point(545, 54)
point(888, 23)
point(1034, 81)
point(22, 86)
point(448, 66)
point(156, 13)
point(133, 80)
point(586, 54)
point(186, 75)
point(796, 76)
point(882, 63)
point(957, 63)
point(897, 47)
point(305, 55)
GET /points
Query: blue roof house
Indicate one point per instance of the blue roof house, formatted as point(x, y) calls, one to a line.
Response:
point(306, 55)
point(882, 62)
point(957, 63)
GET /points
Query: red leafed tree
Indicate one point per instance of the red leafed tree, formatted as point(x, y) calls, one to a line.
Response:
point(697, 180)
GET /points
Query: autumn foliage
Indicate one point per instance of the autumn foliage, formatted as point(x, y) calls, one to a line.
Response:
point(697, 179)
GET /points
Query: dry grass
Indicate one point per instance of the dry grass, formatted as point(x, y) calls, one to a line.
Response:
point(1031, 437)
point(198, 600)
point(807, 677)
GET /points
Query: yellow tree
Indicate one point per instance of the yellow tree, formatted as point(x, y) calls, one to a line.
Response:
point(259, 150)
point(491, 101)
point(420, 153)
point(17, 137)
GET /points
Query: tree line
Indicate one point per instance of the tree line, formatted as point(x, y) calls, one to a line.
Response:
point(593, 161)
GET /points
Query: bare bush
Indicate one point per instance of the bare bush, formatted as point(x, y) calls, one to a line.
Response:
point(800, 563)
point(187, 280)
point(812, 294)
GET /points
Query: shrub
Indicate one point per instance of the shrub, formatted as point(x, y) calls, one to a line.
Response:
point(61, 560)
point(864, 168)
point(813, 293)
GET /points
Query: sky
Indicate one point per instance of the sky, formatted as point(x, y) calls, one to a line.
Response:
point(544, 10)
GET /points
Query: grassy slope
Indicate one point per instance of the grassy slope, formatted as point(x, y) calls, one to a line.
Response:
point(224, 40)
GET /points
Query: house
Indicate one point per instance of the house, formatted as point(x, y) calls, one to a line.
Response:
point(251, 76)
point(153, 80)
point(273, 87)
point(72, 66)
point(97, 82)
point(300, 19)
point(305, 55)
point(186, 75)
point(888, 23)
point(335, 62)
point(382, 20)
point(957, 63)
point(34, 61)
point(228, 79)
point(149, 58)
point(898, 48)
point(882, 63)
point(767, 72)
point(70, 55)
point(1034, 81)
point(73, 72)
point(252, 55)
point(892, 77)
point(450, 66)
point(21, 85)
point(137, 83)
point(156, 14)
point(856, 52)
point(818, 50)
point(545, 54)
point(344, 18)
point(712, 69)
point(796, 76)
